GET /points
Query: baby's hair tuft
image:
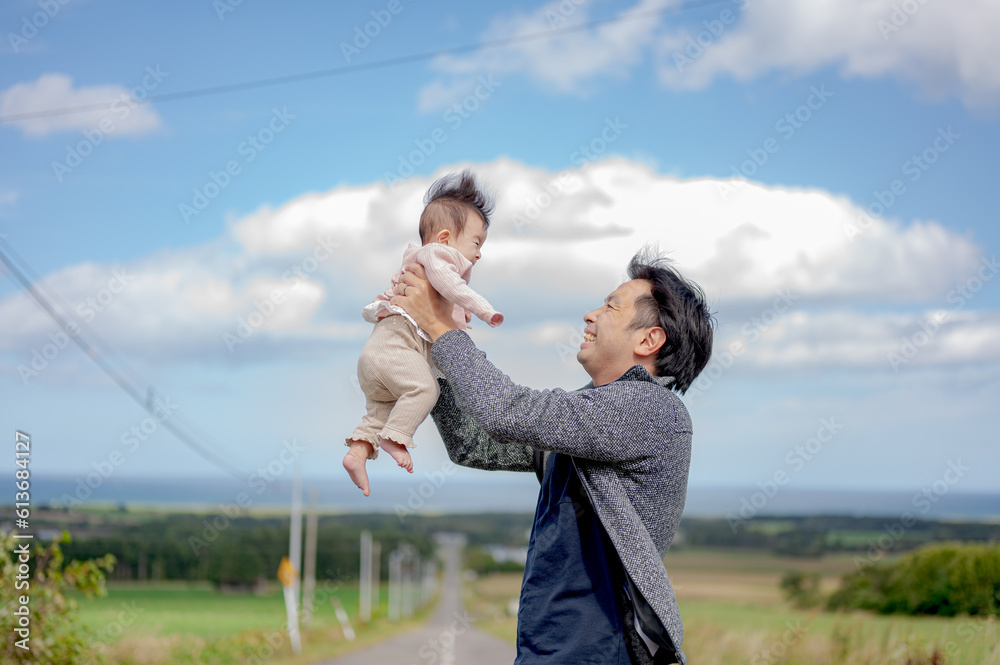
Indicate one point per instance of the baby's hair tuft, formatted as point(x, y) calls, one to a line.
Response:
point(448, 202)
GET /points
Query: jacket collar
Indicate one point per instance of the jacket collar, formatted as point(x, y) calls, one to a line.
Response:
point(639, 373)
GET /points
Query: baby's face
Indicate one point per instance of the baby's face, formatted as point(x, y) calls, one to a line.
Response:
point(471, 240)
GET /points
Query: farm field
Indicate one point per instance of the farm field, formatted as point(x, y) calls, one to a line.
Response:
point(167, 623)
point(734, 613)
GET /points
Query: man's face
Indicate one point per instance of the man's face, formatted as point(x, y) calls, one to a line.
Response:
point(471, 239)
point(607, 349)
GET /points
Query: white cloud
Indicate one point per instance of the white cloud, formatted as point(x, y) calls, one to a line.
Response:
point(563, 63)
point(558, 243)
point(56, 91)
point(845, 338)
point(943, 47)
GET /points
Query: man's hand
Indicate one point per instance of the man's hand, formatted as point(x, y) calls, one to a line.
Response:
point(429, 309)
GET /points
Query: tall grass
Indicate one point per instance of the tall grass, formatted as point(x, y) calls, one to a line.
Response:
point(764, 632)
point(852, 640)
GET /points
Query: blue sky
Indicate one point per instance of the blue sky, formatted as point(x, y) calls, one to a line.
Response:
point(671, 106)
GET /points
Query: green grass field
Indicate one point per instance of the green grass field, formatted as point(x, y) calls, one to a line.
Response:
point(166, 623)
point(164, 609)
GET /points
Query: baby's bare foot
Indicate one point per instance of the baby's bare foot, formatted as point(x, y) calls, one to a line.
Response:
point(354, 462)
point(398, 452)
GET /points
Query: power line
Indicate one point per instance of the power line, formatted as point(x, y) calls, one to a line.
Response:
point(53, 296)
point(139, 385)
point(139, 396)
point(380, 64)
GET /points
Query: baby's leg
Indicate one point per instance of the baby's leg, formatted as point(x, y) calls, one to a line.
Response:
point(399, 365)
point(363, 440)
point(398, 452)
point(417, 393)
point(354, 462)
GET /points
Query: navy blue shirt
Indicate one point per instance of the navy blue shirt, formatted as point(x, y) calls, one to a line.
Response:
point(568, 611)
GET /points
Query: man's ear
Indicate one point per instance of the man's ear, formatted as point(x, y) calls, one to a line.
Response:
point(651, 342)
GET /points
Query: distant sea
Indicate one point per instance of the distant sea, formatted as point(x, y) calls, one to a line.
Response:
point(509, 493)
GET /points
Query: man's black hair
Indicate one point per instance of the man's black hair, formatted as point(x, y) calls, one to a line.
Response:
point(448, 202)
point(677, 305)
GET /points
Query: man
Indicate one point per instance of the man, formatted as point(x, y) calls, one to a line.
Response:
point(612, 458)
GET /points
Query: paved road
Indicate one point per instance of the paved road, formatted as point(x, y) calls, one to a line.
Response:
point(447, 639)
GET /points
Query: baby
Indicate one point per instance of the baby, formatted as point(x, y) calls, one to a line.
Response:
point(396, 369)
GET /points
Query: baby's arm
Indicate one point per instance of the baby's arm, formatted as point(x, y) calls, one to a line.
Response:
point(443, 276)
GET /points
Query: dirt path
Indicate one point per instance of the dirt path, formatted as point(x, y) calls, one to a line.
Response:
point(449, 638)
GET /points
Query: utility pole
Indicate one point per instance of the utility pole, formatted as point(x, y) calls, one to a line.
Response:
point(395, 573)
point(365, 579)
point(290, 567)
point(309, 569)
point(376, 574)
point(295, 532)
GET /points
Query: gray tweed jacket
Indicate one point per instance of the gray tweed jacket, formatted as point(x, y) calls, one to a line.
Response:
point(631, 445)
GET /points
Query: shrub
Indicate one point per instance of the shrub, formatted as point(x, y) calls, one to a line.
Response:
point(51, 633)
point(802, 589)
point(946, 579)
